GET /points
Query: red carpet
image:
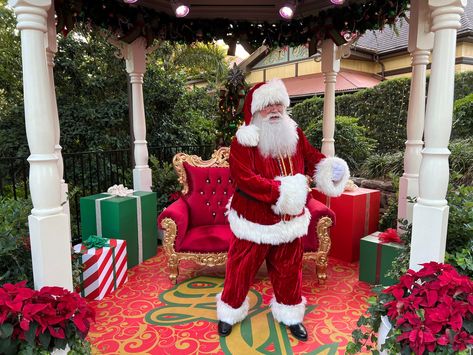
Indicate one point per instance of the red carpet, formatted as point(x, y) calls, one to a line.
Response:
point(149, 315)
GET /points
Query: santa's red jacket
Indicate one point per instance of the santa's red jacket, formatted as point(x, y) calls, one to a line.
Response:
point(268, 206)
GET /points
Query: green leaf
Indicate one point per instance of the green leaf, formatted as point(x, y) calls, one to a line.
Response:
point(7, 346)
point(45, 338)
point(60, 343)
point(6, 330)
point(30, 335)
point(468, 325)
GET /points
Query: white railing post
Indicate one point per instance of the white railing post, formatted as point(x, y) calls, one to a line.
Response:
point(420, 44)
point(51, 50)
point(430, 217)
point(135, 56)
point(49, 229)
point(330, 69)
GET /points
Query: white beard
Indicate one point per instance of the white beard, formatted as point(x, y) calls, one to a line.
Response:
point(277, 137)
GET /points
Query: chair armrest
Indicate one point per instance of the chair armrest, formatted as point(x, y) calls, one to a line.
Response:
point(179, 213)
point(318, 210)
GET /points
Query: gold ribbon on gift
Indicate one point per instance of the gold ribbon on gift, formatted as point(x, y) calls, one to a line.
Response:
point(121, 191)
point(367, 214)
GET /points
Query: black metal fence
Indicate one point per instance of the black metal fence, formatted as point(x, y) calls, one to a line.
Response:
point(87, 173)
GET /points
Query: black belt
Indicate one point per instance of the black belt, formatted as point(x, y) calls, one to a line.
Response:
point(245, 195)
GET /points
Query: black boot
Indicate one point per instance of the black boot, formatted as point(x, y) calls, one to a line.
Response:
point(224, 329)
point(298, 331)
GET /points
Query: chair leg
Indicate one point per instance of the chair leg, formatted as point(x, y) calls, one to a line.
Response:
point(321, 262)
point(322, 273)
point(173, 265)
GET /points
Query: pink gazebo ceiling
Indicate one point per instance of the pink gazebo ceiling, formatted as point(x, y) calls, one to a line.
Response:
point(251, 23)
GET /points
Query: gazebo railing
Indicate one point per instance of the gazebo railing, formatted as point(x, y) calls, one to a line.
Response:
point(87, 173)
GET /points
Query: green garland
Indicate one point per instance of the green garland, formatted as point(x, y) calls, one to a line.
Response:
point(129, 22)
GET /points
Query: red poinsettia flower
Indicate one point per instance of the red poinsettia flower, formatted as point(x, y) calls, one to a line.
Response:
point(430, 308)
point(51, 309)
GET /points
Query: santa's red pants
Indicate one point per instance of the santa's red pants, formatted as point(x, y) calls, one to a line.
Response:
point(284, 264)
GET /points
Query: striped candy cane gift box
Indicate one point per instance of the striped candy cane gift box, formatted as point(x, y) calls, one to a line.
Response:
point(105, 268)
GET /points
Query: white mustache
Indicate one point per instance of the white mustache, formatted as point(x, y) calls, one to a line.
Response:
point(274, 115)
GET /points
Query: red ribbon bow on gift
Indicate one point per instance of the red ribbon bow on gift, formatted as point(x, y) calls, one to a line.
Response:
point(389, 236)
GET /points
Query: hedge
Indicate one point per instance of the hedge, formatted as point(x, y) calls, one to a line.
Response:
point(463, 117)
point(351, 142)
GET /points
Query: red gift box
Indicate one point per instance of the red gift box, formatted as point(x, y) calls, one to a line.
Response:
point(357, 215)
point(105, 269)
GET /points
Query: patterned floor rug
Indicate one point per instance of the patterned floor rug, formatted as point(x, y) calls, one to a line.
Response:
point(149, 315)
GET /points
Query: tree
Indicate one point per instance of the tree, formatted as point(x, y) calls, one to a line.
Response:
point(92, 94)
point(12, 126)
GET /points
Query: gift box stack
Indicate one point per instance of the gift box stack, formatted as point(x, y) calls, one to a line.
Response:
point(357, 215)
point(123, 214)
point(105, 266)
point(376, 258)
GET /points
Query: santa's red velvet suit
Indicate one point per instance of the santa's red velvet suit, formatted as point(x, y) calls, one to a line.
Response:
point(267, 213)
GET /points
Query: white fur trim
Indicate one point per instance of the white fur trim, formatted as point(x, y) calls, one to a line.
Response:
point(323, 177)
point(248, 135)
point(289, 315)
point(274, 234)
point(292, 195)
point(273, 92)
point(230, 315)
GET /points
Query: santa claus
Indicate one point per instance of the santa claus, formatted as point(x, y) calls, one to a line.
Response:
point(270, 159)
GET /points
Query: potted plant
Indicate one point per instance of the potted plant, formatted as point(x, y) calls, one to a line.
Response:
point(41, 322)
point(430, 312)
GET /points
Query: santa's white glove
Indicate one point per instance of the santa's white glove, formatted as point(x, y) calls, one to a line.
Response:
point(337, 172)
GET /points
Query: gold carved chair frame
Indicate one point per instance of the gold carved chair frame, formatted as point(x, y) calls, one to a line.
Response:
point(220, 159)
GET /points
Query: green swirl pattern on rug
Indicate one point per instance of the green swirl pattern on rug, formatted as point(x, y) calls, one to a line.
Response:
point(194, 300)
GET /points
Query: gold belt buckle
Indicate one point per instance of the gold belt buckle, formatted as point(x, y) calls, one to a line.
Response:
point(286, 217)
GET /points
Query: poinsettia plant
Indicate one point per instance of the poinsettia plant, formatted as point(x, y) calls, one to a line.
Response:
point(431, 312)
point(34, 321)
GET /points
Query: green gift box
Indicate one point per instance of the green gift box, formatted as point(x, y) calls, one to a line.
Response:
point(132, 218)
point(376, 259)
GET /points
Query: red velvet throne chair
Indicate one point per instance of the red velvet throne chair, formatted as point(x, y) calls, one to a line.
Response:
point(196, 228)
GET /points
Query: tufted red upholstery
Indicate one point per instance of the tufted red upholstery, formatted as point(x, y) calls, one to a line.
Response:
point(206, 239)
point(200, 215)
point(209, 191)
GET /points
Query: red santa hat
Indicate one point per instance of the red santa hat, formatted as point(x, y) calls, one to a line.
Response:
point(260, 96)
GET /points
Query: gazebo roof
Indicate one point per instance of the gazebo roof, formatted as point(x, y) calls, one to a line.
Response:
point(390, 41)
point(251, 23)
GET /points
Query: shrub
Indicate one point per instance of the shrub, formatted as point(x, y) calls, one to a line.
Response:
point(165, 183)
point(459, 232)
point(463, 84)
point(461, 161)
point(350, 141)
point(308, 112)
point(15, 253)
point(382, 165)
point(382, 110)
point(462, 259)
point(460, 218)
point(463, 117)
point(15, 249)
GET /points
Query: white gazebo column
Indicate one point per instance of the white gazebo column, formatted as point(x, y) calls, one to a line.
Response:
point(135, 55)
point(420, 44)
point(49, 230)
point(430, 217)
point(330, 69)
point(51, 50)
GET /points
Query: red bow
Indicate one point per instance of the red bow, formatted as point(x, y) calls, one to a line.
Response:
point(389, 236)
